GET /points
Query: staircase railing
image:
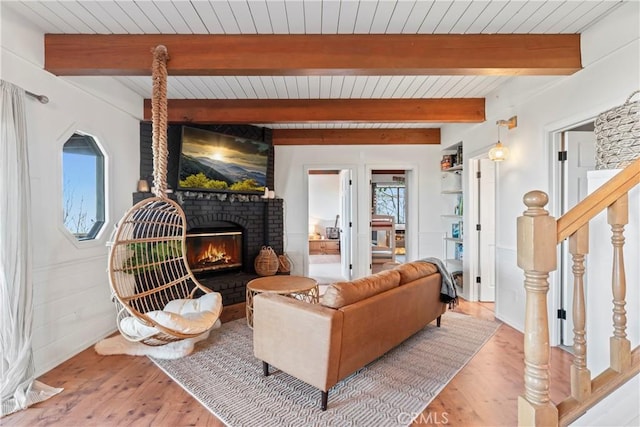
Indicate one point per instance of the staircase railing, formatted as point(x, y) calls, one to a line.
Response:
point(538, 236)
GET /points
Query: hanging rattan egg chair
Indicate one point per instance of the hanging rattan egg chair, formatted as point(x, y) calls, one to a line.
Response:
point(156, 295)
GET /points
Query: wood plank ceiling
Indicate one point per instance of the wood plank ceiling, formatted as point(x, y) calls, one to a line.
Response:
point(306, 90)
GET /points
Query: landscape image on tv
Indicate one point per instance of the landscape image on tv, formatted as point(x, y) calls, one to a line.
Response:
point(217, 162)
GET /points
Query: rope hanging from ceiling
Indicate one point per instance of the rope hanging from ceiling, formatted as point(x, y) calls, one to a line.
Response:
point(149, 275)
point(159, 120)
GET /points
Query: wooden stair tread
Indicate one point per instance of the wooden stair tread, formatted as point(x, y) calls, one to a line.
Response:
point(604, 384)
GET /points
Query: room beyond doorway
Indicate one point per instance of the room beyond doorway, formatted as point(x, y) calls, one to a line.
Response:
point(330, 221)
point(388, 217)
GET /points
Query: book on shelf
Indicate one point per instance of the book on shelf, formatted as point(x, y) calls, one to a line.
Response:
point(459, 208)
point(459, 251)
point(455, 230)
point(459, 155)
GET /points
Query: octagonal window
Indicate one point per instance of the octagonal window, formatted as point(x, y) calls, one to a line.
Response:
point(83, 186)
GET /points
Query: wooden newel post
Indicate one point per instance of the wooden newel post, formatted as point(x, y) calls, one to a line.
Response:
point(537, 257)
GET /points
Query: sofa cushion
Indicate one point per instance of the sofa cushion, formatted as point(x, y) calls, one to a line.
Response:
point(415, 270)
point(340, 294)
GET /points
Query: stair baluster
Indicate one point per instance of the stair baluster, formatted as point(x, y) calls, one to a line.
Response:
point(620, 346)
point(580, 375)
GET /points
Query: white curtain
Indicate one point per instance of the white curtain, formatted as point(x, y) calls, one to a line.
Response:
point(19, 387)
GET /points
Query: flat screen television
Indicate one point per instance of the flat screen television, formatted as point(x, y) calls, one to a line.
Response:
point(212, 161)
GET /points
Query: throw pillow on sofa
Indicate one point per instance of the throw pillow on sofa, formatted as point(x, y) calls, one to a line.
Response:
point(340, 294)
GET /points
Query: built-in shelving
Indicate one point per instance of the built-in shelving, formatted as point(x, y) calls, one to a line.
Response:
point(453, 239)
point(452, 211)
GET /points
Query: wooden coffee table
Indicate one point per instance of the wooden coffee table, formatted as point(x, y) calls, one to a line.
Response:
point(298, 287)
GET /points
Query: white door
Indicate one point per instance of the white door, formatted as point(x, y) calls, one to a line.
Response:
point(581, 147)
point(346, 223)
point(580, 158)
point(487, 233)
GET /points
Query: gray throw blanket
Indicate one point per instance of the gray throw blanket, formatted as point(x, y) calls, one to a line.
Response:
point(447, 288)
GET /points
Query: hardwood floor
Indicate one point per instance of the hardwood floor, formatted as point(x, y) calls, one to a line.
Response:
point(485, 392)
point(125, 390)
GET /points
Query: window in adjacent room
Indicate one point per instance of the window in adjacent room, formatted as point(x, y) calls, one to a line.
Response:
point(389, 200)
point(83, 186)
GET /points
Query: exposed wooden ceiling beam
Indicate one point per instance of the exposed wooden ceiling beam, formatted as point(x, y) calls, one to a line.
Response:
point(343, 54)
point(355, 136)
point(387, 172)
point(261, 111)
point(324, 171)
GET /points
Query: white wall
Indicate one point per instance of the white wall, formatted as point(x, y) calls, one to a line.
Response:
point(543, 105)
point(72, 307)
point(291, 163)
point(324, 201)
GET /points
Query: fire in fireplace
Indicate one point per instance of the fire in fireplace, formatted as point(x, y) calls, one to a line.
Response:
point(214, 250)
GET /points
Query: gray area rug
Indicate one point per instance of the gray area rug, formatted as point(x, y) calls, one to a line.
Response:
point(225, 377)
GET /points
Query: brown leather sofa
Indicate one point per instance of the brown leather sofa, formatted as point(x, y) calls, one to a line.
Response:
point(355, 323)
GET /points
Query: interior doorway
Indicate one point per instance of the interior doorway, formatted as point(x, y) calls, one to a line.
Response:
point(389, 217)
point(330, 225)
point(576, 156)
point(482, 229)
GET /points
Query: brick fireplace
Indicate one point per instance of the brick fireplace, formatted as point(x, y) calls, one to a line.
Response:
point(260, 221)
